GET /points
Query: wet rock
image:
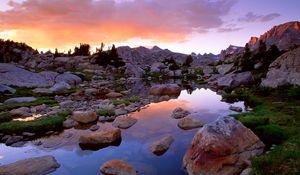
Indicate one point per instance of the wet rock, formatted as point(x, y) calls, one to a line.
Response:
point(179, 113)
point(165, 89)
point(70, 123)
point(188, 123)
point(22, 111)
point(94, 128)
point(124, 122)
point(13, 139)
point(117, 167)
point(32, 166)
point(20, 100)
point(100, 139)
point(6, 89)
point(84, 116)
point(236, 108)
point(160, 146)
point(114, 95)
point(222, 147)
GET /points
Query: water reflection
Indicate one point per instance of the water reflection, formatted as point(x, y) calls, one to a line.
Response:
point(153, 122)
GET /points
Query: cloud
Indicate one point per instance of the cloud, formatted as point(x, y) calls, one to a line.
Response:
point(227, 29)
point(251, 17)
point(57, 23)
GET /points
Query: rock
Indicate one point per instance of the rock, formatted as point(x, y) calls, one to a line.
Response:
point(57, 87)
point(285, 70)
point(114, 95)
point(28, 134)
point(22, 111)
point(165, 89)
point(20, 100)
point(117, 167)
point(33, 166)
point(225, 68)
point(15, 76)
point(71, 79)
point(189, 123)
point(243, 78)
point(124, 122)
point(13, 139)
point(246, 171)
point(107, 118)
point(4, 138)
point(94, 128)
point(84, 116)
point(7, 89)
point(222, 147)
point(38, 109)
point(100, 139)
point(70, 123)
point(120, 111)
point(236, 108)
point(179, 113)
point(160, 146)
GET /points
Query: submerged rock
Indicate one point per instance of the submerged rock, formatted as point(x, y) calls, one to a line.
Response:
point(100, 139)
point(117, 167)
point(160, 146)
point(124, 122)
point(33, 166)
point(222, 147)
point(84, 116)
point(179, 113)
point(188, 123)
point(165, 89)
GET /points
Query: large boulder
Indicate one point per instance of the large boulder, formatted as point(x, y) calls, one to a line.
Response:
point(243, 78)
point(188, 123)
point(165, 89)
point(15, 76)
point(225, 68)
point(160, 146)
point(285, 70)
point(84, 116)
point(69, 78)
point(101, 139)
point(124, 122)
point(222, 147)
point(117, 167)
point(20, 100)
point(34, 166)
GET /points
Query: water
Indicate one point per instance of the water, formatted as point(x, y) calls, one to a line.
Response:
point(153, 122)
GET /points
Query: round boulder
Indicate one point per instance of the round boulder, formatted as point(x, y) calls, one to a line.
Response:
point(117, 167)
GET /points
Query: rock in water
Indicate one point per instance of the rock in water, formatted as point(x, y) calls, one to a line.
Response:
point(101, 139)
point(160, 146)
point(165, 89)
point(33, 166)
point(179, 113)
point(84, 116)
point(124, 122)
point(117, 167)
point(222, 147)
point(189, 123)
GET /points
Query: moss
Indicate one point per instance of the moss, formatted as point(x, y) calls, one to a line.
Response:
point(5, 118)
point(40, 100)
point(42, 125)
point(105, 112)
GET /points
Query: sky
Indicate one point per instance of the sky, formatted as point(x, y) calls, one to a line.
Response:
point(186, 26)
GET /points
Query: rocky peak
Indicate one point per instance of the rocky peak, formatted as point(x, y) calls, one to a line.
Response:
point(284, 36)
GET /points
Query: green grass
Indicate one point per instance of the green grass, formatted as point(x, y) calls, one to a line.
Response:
point(5, 118)
point(275, 120)
point(42, 125)
point(40, 100)
point(126, 101)
point(105, 112)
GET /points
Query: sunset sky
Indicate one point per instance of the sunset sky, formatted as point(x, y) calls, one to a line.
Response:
point(180, 25)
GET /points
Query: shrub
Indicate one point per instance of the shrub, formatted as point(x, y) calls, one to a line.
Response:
point(105, 112)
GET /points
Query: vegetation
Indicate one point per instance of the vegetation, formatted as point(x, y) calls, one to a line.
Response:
point(5, 118)
point(126, 101)
point(105, 112)
point(82, 50)
point(276, 121)
point(109, 57)
point(41, 125)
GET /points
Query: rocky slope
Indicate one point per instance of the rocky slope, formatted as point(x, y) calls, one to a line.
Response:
point(284, 36)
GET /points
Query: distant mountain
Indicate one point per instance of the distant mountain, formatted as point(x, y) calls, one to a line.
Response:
point(284, 36)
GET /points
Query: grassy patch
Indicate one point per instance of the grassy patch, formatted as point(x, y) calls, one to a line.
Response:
point(40, 100)
point(5, 118)
point(126, 101)
point(105, 112)
point(42, 125)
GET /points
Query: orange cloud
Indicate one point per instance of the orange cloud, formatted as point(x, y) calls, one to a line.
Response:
point(61, 23)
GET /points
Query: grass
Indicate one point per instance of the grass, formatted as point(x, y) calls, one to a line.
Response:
point(275, 120)
point(105, 112)
point(126, 101)
point(42, 125)
point(40, 100)
point(5, 118)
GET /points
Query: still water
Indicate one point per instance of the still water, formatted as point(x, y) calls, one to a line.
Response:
point(153, 122)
